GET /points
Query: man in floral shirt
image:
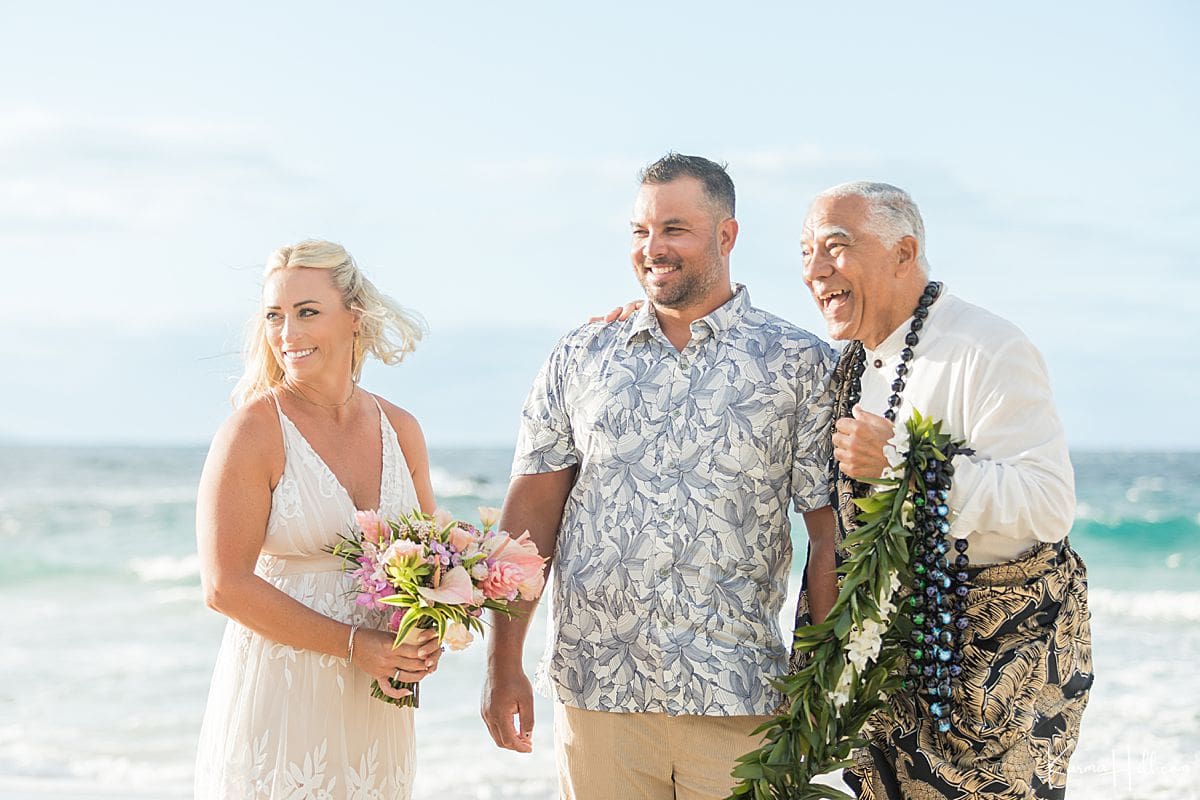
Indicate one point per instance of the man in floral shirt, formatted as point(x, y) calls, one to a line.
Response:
point(656, 461)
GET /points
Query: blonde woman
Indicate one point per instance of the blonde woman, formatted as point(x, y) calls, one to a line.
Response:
point(290, 712)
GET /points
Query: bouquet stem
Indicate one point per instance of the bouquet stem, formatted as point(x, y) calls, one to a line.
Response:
point(408, 701)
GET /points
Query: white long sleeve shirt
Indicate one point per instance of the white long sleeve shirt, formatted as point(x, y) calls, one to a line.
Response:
point(988, 384)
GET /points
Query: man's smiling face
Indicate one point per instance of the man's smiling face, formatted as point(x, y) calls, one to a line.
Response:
point(675, 253)
point(850, 272)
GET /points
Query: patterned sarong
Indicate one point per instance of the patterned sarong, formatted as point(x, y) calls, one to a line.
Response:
point(1027, 671)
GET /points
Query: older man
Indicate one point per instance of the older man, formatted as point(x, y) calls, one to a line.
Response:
point(1024, 667)
point(657, 460)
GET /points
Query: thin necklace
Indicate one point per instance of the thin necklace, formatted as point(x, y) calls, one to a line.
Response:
point(291, 387)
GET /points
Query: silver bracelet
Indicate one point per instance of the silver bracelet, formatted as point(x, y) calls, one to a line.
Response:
point(350, 645)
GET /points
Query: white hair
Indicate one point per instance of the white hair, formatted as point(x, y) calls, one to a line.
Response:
point(891, 213)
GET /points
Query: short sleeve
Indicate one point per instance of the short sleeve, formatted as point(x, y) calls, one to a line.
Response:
point(814, 411)
point(545, 442)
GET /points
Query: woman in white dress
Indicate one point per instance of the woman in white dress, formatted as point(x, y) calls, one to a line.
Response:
point(290, 712)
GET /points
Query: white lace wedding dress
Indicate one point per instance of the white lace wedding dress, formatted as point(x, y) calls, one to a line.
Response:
point(291, 724)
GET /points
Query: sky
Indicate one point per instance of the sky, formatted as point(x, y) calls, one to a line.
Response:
point(479, 161)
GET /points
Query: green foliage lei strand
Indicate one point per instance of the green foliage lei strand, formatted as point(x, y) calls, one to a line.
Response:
point(855, 655)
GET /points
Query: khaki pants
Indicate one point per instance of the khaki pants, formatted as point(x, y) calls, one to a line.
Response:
point(606, 755)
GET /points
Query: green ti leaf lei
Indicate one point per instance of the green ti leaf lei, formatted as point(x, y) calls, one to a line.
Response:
point(855, 655)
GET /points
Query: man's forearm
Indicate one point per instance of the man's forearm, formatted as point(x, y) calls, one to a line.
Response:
point(822, 580)
point(507, 642)
point(822, 562)
point(533, 503)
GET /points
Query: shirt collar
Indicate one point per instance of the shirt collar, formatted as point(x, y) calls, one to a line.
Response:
point(716, 321)
point(894, 343)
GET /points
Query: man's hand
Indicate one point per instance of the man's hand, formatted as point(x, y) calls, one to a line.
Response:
point(858, 444)
point(620, 313)
point(508, 694)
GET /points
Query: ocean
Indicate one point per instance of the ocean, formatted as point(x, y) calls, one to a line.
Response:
point(108, 647)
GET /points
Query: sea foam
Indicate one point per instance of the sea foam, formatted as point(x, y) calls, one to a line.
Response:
point(166, 568)
point(1156, 606)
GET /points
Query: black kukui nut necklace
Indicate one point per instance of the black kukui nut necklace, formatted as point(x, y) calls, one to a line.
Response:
point(936, 605)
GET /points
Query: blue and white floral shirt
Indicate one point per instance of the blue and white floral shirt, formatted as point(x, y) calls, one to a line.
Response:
point(672, 559)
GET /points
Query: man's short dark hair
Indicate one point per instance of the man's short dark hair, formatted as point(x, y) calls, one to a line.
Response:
point(718, 186)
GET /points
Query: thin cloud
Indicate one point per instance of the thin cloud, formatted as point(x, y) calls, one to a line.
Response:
point(78, 174)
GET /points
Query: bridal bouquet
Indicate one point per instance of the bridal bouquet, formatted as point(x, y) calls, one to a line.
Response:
point(433, 571)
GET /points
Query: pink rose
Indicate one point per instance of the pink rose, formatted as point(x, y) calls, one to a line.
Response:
point(503, 581)
point(520, 553)
point(402, 548)
point(460, 538)
point(458, 636)
point(374, 528)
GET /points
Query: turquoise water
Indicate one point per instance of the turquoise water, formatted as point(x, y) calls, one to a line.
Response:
point(108, 646)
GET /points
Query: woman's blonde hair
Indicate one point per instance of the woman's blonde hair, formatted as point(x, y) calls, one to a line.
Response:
point(386, 330)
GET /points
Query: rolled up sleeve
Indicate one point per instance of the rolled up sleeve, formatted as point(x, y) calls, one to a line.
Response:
point(545, 442)
point(813, 446)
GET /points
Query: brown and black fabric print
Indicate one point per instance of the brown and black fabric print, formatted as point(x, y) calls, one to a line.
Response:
point(1017, 706)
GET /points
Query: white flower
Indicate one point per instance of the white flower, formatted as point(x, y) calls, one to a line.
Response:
point(895, 451)
point(841, 693)
point(489, 516)
point(864, 643)
point(886, 607)
point(898, 445)
point(458, 636)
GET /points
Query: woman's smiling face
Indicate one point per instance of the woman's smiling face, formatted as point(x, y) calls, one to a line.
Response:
point(309, 329)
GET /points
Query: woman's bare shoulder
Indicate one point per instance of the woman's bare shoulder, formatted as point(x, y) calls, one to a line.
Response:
point(402, 419)
point(408, 430)
point(251, 434)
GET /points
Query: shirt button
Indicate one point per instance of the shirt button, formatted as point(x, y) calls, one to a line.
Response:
point(663, 572)
point(879, 363)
